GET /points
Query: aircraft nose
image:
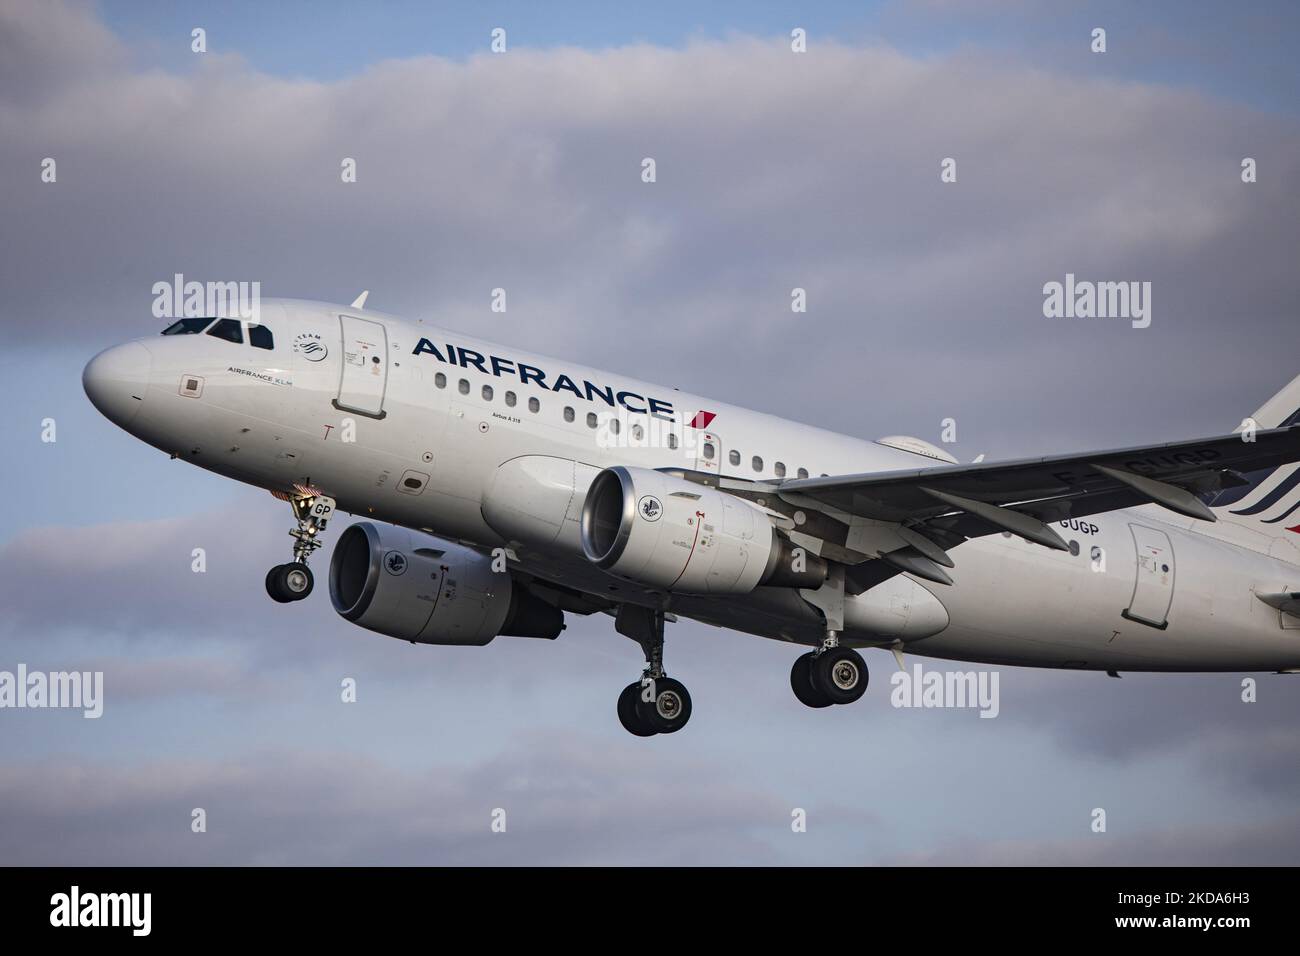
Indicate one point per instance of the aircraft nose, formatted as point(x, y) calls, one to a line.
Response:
point(115, 381)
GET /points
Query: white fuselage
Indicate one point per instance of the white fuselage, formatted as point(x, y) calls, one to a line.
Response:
point(416, 433)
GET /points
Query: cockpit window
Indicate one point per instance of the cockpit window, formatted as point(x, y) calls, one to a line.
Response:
point(259, 337)
point(228, 329)
point(188, 326)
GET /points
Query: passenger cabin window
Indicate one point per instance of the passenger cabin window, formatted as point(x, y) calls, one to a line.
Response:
point(568, 413)
point(487, 393)
point(802, 472)
point(188, 326)
point(779, 467)
point(758, 463)
point(440, 380)
point(734, 457)
point(534, 405)
point(709, 450)
point(510, 399)
point(228, 329)
point(463, 386)
point(259, 337)
point(592, 421)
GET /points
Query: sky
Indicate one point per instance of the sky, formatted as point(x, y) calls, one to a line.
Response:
point(522, 170)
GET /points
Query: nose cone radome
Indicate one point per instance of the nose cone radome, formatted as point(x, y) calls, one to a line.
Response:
point(115, 381)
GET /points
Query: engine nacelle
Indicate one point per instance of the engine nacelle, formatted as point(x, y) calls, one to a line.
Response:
point(419, 588)
point(665, 532)
point(536, 500)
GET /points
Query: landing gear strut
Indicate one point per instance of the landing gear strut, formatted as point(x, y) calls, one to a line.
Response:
point(656, 704)
point(831, 674)
point(294, 581)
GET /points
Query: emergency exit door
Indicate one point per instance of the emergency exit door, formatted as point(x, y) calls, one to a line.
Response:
point(363, 379)
point(708, 452)
point(1153, 591)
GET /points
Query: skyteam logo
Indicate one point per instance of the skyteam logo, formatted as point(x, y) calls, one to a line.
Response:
point(310, 346)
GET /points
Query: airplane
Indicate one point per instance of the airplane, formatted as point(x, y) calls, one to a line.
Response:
point(503, 490)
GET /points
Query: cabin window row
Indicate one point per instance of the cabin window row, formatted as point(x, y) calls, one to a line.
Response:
point(734, 457)
point(593, 421)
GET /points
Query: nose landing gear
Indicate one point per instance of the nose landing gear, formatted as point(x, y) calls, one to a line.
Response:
point(289, 582)
point(294, 581)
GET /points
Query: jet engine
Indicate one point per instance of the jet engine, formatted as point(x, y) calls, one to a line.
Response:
point(665, 532)
point(419, 588)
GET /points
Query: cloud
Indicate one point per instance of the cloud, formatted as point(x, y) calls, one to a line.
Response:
point(53, 49)
point(775, 170)
point(583, 802)
point(137, 576)
point(71, 592)
point(523, 171)
point(1272, 842)
point(1238, 745)
point(178, 634)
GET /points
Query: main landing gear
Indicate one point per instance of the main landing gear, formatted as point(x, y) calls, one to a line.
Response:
point(830, 675)
point(294, 581)
point(656, 704)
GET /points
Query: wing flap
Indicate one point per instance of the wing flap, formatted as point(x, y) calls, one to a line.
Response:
point(1070, 485)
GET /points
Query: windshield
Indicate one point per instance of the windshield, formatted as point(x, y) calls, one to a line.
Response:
point(228, 329)
point(187, 326)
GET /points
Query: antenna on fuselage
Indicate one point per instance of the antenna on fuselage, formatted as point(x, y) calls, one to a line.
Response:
point(360, 301)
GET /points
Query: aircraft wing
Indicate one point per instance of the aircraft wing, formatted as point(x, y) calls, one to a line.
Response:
point(910, 518)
